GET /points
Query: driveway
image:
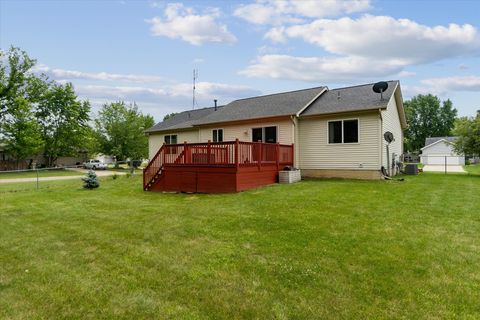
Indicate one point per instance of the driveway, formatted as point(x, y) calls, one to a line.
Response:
point(453, 168)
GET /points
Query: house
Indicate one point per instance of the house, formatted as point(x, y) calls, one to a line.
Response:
point(440, 151)
point(330, 133)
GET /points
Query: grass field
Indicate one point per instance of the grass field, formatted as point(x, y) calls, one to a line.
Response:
point(324, 249)
point(41, 173)
point(473, 169)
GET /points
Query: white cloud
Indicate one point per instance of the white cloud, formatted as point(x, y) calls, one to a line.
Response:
point(61, 74)
point(455, 83)
point(319, 69)
point(276, 35)
point(295, 11)
point(180, 22)
point(160, 101)
point(367, 47)
point(205, 91)
point(405, 74)
point(154, 94)
point(385, 38)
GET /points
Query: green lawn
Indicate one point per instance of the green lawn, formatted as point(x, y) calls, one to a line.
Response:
point(473, 169)
point(324, 249)
point(41, 173)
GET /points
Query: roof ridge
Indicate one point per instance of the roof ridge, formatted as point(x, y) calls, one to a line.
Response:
point(361, 85)
point(277, 93)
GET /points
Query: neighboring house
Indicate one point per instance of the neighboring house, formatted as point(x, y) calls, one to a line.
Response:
point(439, 150)
point(335, 133)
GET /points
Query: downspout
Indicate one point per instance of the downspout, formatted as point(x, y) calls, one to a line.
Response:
point(296, 145)
point(381, 139)
point(294, 118)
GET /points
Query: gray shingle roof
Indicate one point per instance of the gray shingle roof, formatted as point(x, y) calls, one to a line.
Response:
point(356, 98)
point(430, 140)
point(182, 120)
point(273, 105)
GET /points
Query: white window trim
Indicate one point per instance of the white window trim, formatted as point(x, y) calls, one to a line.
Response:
point(223, 134)
point(342, 143)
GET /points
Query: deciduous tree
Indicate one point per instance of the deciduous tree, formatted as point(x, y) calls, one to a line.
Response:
point(426, 117)
point(121, 130)
point(468, 132)
point(21, 132)
point(64, 122)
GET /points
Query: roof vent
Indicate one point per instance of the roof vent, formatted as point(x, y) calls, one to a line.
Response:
point(380, 87)
point(338, 95)
point(215, 103)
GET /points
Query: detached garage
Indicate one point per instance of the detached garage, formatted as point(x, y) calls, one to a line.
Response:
point(439, 149)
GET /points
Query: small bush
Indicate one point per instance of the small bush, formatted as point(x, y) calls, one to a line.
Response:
point(128, 175)
point(114, 176)
point(90, 181)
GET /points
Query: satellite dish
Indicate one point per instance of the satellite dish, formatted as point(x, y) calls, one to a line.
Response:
point(388, 136)
point(380, 87)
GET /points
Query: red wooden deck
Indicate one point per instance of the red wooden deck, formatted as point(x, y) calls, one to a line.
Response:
point(216, 167)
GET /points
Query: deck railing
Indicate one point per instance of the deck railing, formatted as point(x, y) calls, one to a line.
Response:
point(219, 154)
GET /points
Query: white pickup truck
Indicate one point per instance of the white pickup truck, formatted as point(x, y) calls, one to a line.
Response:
point(94, 165)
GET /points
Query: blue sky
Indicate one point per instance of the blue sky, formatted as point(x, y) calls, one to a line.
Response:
point(145, 51)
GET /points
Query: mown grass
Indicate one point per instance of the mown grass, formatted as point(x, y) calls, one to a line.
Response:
point(473, 169)
point(41, 173)
point(323, 249)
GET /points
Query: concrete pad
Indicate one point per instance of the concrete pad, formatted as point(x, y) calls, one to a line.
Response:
point(451, 168)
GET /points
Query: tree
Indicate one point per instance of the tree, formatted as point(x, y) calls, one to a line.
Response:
point(468, 132)
point(90, 181)
point(427, 117)
point(170, 115)
point(121, 130)
point(21, 132)
point(15, 77)
point(64, 122)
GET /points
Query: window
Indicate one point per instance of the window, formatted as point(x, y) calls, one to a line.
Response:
point(171, 139)
point(217, 135)
point(335, 132)
point(270, 134)
point(265, 134)
point(350, 131)
point(257, 134)
point(343, 131)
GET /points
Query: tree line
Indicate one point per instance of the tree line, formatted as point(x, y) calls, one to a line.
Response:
point(427, 116)
point(39, 116)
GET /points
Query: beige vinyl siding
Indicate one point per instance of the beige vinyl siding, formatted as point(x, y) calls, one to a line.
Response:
point(316, 153)
point(244, 131)
point(155, 141)
point(391, 122)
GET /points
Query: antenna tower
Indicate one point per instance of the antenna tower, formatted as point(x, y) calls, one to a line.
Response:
point(195, 77)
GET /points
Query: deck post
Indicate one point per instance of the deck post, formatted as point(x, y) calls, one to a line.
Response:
point(277, 155)
point(184, 152)
point(259, 151)
point(293, 155)
point(164, 146)
point(208, 151)
point(237, 143)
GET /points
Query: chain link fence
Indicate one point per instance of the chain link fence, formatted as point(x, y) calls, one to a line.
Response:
point(44, 178)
